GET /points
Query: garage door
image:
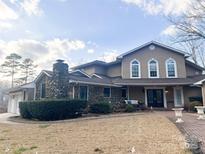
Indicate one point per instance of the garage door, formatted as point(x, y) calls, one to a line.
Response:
point(14, 100)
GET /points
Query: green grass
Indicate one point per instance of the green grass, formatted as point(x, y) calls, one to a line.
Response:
point(2, 139)
point(44, 126)
point(20, 150)
point(33, 147)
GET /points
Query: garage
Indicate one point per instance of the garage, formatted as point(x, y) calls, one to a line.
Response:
point(18, 94)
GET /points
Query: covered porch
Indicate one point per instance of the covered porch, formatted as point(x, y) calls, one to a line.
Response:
point(163, 96)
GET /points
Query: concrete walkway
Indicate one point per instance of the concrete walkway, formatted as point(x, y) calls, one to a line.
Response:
point(191, 127)
point(5, 116)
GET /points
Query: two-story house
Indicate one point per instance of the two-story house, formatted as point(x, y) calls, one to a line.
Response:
point(156, 74)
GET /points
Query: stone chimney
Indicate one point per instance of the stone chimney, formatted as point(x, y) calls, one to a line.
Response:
point(60, 81)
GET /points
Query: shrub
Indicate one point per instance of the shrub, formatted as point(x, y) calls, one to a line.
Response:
point(191, 106)
point(102, 107)
point(119, 106)
point(130, 108)
point(195, 98)
point(52, 109)
point(24, 110)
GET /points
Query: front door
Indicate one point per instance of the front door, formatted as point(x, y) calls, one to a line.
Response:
point(155, 97)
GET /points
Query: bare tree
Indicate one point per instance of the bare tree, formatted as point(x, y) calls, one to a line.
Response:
point(190, 27)
point(191, 24)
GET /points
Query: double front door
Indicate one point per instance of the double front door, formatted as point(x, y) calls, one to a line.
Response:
point(155, 97)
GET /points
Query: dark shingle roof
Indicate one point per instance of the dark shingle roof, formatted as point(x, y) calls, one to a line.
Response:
point(158, 82)
point(96, 62)
point(118, 81)
point(194, 65)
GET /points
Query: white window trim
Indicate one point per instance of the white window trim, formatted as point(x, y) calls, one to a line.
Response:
point(110, 92)
point(149, 68)
point(139, 66)
point(175, 97)
point(175, 68)
point(164, 95)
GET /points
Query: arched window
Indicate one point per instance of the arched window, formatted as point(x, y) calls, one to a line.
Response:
point(135, 69)
point(171, 68)
point(153, 68)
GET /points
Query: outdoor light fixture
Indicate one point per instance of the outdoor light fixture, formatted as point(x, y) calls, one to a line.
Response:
point(178, 114)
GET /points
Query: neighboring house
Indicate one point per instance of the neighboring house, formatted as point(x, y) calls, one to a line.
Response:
point(20, 93)
point(156, 74)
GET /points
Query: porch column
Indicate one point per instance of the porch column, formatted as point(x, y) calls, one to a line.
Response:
point(128, 92)
point(203, 92)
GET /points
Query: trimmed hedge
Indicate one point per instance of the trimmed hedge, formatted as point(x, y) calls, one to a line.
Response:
point(191, 106)
point(195, 99)
point(47, 110)
point(101, 108)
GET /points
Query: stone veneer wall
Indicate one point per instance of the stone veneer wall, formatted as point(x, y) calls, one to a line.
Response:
point(94, 91)
point(45, 79)
point(60, 80)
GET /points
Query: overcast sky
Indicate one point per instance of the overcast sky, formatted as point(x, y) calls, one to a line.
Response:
point(82, 30)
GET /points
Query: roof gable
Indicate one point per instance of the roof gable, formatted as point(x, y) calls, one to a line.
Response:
point(80, 73)
point(149, 44)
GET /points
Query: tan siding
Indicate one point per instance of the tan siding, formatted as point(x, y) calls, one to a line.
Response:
point(137, 93)
point(190, 92)
point(160, 54)
point(114, 70)
point(190, 71)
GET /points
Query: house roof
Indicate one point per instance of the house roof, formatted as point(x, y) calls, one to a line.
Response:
point(118, 81)
point(96, 62)
point(29, 85)
point(159, 81)
point(153, 43)
point(92, 81)
point(194, 65)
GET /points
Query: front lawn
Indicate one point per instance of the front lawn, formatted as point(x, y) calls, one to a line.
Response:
point(148, 133)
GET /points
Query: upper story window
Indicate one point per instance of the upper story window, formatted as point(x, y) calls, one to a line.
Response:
point(171, 68)
point(153, 68)
point(135, 69)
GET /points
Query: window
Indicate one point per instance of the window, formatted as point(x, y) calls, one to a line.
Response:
point(107, 92)
point(24, 95)
point(153, 69)
point(171, 68)
point(135, 69)
point(124, 92)
point(83, 92)
point(178, 97)
point(43, 90)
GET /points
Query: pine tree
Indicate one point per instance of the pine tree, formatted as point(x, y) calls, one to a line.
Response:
point(11, 66)
point(27, 69)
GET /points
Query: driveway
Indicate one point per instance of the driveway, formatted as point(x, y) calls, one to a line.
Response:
point(4, 118)
point(192, 127)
